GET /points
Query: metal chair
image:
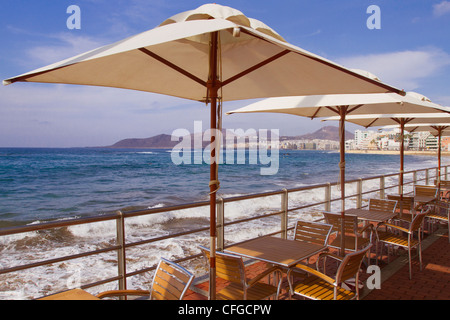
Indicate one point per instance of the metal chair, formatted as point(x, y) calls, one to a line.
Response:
point(408, 242)
point(313, 232)
point(404, 203)
point(353, 233)
point(354, 239)
point(382, 205)
point(444, 188)
point(231, 268)
point(319, 286)
point(170, 282)
point(441, 214)
point(429, 191)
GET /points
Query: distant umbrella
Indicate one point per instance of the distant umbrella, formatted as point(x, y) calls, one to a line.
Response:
point(437, 129)
point(345, 105)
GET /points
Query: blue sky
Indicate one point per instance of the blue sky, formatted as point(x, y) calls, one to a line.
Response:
point(410, 51)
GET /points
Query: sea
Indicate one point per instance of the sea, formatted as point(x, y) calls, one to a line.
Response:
point(40, 185)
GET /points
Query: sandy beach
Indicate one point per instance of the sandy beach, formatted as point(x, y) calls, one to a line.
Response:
point(396, 152)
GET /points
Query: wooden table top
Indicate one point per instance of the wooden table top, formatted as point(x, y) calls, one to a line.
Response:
point(278, 251)
point(371, 215)
point(424, 199)
point(74, 294)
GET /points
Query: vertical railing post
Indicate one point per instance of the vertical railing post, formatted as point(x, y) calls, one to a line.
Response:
point(382, 187)
point(220, 224)
point(414, 177)
point(427, 176)
point(359, 196)
point(328, 197)
point(121, 259)
point(446, 170)
point(284, 214)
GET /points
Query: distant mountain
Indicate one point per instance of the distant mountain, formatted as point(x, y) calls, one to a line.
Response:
point(326, 133)
point(165, 141)
point(159, 141)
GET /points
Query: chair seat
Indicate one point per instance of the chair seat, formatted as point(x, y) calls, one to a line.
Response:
point(315, 288)
point(437, 216)
point(398, 240)
point(258, 291)
point(349, 242)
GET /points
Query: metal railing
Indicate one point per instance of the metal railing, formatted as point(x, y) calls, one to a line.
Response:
point(287, 213)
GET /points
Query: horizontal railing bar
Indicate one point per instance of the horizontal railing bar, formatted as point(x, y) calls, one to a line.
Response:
point(307, 206)
point(252, 218)
point(56, 260)
point(100, 282)
point(136, 213)
point(133, 244)
point(149, 269)
point(56, 224)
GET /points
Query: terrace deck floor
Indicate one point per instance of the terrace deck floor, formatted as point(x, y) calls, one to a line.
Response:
point(432, 283)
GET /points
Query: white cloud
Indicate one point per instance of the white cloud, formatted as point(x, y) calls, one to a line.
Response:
point(67, 45)
point(441, 8)
point(403, 69)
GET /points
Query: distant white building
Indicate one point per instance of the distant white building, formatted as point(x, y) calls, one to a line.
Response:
point(361, 138)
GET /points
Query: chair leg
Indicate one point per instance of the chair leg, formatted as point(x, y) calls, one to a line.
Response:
point(380, 255)
point(387, 248)
point(419, 247)
point(409, 258)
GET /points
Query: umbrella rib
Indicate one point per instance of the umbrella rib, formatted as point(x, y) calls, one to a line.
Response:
point(173, 66)
point(374, 122)
point(439, 127)
point(255, 67)
point(354, 108)
point(334, 110)
point(315, 113)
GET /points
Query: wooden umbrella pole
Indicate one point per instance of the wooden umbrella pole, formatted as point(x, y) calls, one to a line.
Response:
point(342, 114)
point(402, 151)
point(439, 159)
point(438, 182)
point(213, 88)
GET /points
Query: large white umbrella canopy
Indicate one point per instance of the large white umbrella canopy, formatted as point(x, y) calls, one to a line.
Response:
point(344, 106)
point(211, 54)
point(174, 59)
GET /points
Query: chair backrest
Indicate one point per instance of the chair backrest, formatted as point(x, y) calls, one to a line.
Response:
point(350, 265)
point(350, 222)
point(429, 191)
point(313, 232)
point(417, 221)
point(443, 183)
point(228, 266)
point(382, 205)
point(171, 281)
point(403, 202)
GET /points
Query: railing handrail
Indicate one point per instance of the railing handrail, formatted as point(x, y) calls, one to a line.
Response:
point(119, 216)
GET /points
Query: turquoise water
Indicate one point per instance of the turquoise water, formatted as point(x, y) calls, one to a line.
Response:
point(47, 184)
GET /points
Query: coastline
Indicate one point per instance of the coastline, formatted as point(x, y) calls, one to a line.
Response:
point(396, 152)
